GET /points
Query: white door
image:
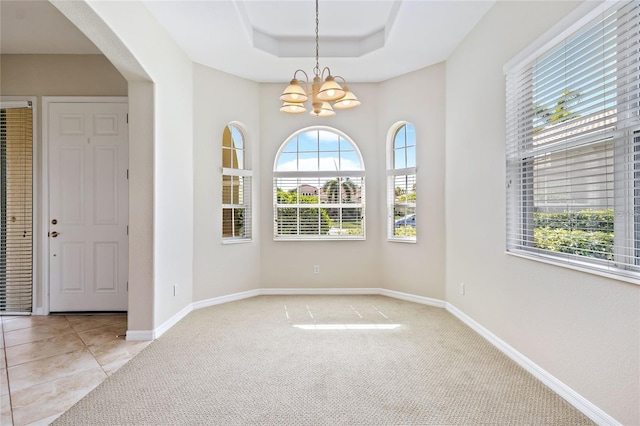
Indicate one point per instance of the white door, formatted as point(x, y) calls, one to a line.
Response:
point(88, 206)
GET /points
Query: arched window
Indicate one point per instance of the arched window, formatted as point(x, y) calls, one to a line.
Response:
point(236, 186)
point(401, 177)
point(318, 187)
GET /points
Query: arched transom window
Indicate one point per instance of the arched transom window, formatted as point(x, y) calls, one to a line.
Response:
point(318, 187)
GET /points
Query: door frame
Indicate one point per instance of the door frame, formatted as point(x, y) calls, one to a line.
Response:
point(35, 194)
point(44, 206)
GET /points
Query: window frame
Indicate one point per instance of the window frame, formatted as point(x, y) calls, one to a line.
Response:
point(245, 176)
point(392, 174)
point(624, 151)
point(302, 178)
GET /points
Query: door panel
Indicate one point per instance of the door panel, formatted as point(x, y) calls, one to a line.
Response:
point(71, 175)
point(106, 182)
point(88, 206)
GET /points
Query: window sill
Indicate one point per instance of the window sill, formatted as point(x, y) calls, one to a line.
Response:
point(236, 241)
point(340, 238)
point(612, 273)
point(402, 240)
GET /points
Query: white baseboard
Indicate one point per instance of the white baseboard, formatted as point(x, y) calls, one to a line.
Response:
point(225, 299)
point(413, 298)
point(144, 335)
point(318, 291)
point(578, 401)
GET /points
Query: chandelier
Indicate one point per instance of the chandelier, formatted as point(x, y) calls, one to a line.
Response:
point(323, 91)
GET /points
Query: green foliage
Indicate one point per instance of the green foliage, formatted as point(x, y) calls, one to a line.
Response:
point(585, 220)
point(586, 233)
point(559, 113)
point(291, 197)
point(313, 221)
point(405, 231)
point(596, 244)
point(406, 198)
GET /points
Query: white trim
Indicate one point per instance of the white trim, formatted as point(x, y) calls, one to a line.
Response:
point(589, 268)
point(319, 174)
point(159, 331)
point(44, 212)
point(572, 397)
point(141, 335)
point(319, 291)
point(36, 299)
point(225, 299)
point(17, 103)
point(582, 14)
point(413, 298)
point(236, 172)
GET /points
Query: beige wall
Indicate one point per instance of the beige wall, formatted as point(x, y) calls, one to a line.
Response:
point(351, 264)
point(60, 75)
point(581, 328)
point(219, 99)
point(419, 98)
point(133, 40)
point(55, 75)
point(418, 268)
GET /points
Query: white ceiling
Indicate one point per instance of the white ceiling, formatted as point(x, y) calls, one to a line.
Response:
point(267, 40)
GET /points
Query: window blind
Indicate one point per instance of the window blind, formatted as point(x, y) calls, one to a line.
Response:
point(16, 210)
point(573, 156)
point(319, 207)
point(318, 187)
point(236, 204)
point(402, 207)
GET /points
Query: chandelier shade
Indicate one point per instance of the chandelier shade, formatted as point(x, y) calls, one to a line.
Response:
point(330, 90)
point(322, 109)
point(294, 93)
point(293, 107)
point(349, 100)
point(321, 90)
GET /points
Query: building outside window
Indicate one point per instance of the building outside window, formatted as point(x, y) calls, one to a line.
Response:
point(318, 187)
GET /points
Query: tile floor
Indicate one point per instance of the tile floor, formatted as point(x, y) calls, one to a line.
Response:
point(48, 363)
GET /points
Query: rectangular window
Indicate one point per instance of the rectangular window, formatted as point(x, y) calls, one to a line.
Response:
point(402, 197)
point(236, 206)
point(319, 207)
point(572, 147)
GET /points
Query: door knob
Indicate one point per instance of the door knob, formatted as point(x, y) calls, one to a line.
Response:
point(54, 234)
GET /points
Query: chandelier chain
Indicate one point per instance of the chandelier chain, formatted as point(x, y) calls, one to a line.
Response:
point(316, 70)
point(320, 92)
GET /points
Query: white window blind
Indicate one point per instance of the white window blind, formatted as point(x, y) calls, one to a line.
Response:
point(573, 147)
point(16, 210)
point(236, 186)
point(318, 187)
point(401, 185)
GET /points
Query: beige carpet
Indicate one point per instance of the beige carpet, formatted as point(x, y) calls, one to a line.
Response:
point(245, 363)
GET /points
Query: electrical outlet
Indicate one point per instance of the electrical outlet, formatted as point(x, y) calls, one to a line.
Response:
point(462, 289)
point(316, 269)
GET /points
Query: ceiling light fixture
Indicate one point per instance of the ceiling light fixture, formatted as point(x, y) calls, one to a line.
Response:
point(321, 93)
